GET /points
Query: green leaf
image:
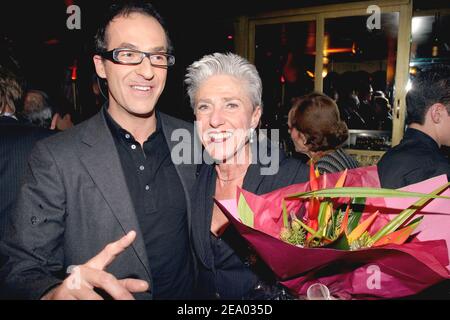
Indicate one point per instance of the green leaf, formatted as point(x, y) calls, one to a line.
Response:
point(245, 212)
point(285, 215)
point(304, 226)
point(340, 243)
point(333, 224)
point(416, 220)
point(322, 211)
point(360, 192)
point(405, 215)
point(357, 206)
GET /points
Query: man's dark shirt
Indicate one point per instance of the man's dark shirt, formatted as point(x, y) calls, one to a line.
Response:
point(416, 158)
point(160, 205)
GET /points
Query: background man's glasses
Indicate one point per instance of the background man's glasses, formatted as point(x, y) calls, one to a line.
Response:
point(135, 57)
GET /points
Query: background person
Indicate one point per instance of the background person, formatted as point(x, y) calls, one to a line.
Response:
point(418, 156)
point(318, 131)
point(16, 141)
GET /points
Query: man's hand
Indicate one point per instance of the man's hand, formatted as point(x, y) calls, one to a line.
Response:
point(84, 278)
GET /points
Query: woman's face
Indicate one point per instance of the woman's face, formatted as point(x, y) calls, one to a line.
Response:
point(225, 115)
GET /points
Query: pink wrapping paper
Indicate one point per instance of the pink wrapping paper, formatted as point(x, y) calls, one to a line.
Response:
point(382, 272)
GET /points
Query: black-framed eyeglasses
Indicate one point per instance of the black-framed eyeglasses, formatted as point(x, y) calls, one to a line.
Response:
point(134, 57)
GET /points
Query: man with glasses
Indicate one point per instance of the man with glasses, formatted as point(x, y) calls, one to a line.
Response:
point(104, 212)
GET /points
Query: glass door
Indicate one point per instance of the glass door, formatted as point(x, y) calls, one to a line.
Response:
point(357, 53)
point(285, 58)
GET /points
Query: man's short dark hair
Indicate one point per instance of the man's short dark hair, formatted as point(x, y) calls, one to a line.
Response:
point(125, 8)
point(430, 85)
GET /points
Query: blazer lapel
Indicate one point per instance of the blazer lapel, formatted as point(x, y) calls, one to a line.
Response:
point(253, 179)
point(204, 196)
point(101, 159)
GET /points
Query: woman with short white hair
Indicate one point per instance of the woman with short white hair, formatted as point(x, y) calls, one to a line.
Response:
point(225, 91)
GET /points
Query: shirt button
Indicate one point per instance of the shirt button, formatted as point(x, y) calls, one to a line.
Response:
point(34, 220)
point(147, 188)
point(127, 136)
point(133, 146)
point(141, 168)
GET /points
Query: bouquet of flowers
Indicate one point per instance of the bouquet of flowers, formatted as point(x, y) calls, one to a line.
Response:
point(345, 232)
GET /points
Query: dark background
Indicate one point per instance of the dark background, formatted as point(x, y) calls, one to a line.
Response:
point(35, 33)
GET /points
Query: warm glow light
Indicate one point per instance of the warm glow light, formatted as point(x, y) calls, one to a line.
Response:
point(327, 50)
point(326, 45)
point(311, 74)
point(311, 39)
point(74, 73)
point(337, 50)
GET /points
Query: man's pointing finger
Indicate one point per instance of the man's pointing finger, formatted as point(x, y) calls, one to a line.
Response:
point(111, 251)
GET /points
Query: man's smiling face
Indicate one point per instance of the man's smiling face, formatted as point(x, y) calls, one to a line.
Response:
point(133, 89)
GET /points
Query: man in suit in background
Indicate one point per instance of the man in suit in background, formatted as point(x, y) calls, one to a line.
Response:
point(38, 111)
point(16, 142)
point(418, 156)
point(111, 177)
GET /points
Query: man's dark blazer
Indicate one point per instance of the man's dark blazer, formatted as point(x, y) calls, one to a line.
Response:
point(75, 201)
point(416, 158)
point(16, 142)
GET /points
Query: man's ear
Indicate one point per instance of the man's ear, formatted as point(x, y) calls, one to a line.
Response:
point(99, 66)
point(437, 111)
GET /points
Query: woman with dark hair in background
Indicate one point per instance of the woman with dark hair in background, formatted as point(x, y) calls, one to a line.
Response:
point(318, 131)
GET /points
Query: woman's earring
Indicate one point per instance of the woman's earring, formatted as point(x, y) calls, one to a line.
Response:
point(252, 132)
